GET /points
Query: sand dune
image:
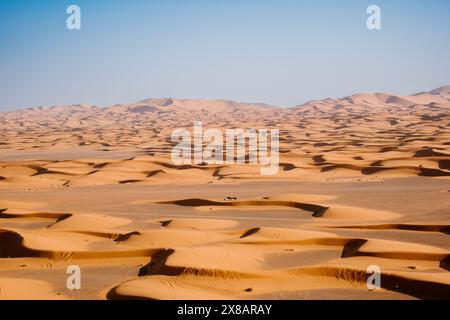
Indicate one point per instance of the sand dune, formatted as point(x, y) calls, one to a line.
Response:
point(363, 180)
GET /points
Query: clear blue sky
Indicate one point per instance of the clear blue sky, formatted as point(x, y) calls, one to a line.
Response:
point(283, 52)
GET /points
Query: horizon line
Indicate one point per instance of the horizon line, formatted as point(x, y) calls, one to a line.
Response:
point(16, 109)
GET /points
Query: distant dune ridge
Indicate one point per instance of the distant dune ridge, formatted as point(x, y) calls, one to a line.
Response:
point(366, 135)
point(364, 180)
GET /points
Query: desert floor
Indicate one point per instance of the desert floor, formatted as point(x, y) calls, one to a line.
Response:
point(364, 181)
